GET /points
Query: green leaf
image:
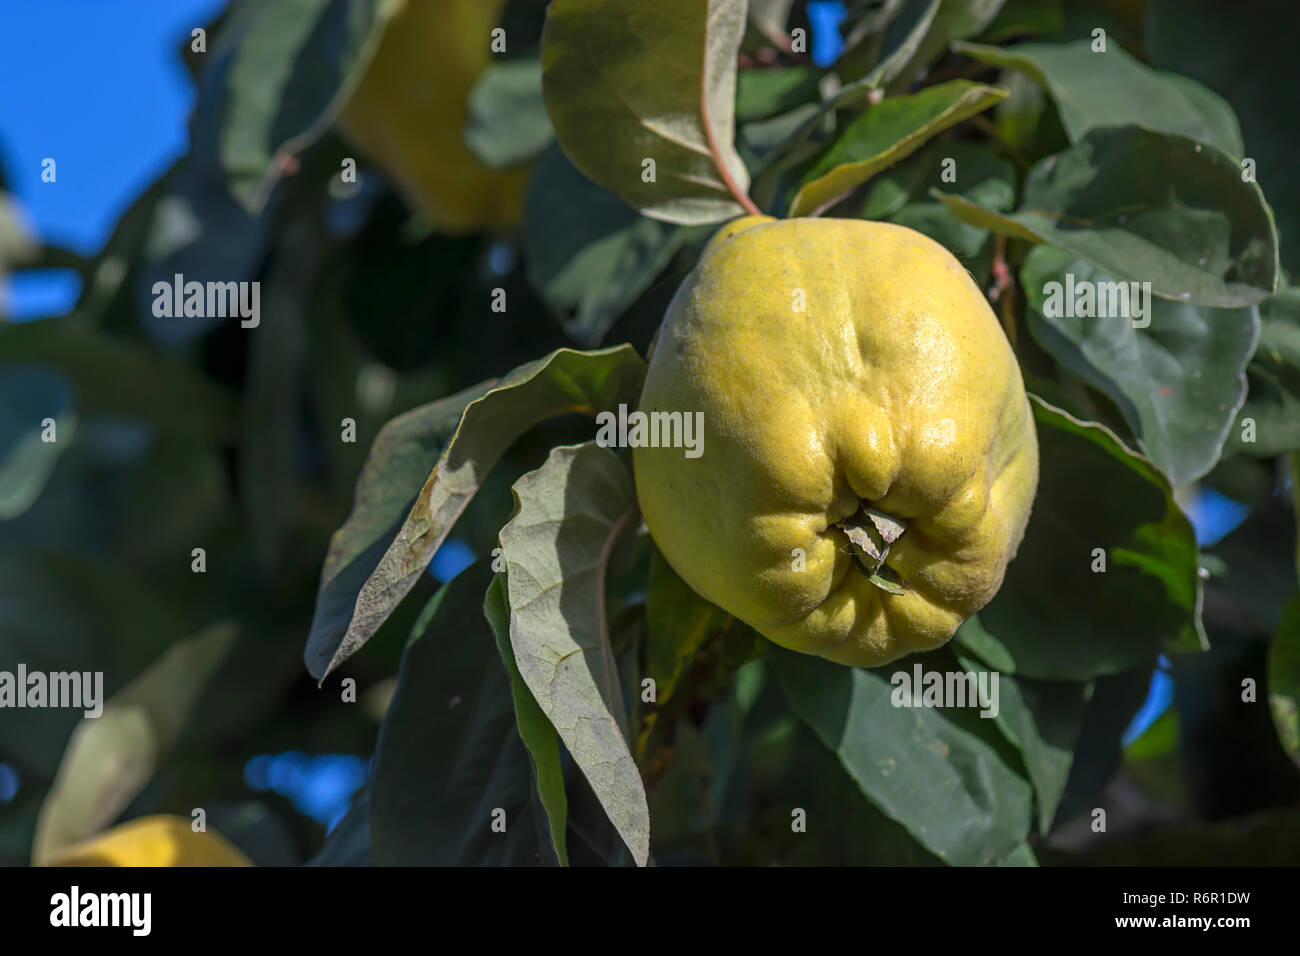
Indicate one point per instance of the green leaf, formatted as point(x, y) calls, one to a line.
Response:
point(886, 133)
point(1022, 855)
point(565, 381)
point(112, 756)
point(1149, 207)
point(903, 39)
point(73, 612)
point(983, 218)
point(507, 123)
point(270, 435)
point(946, 786)
point(1272, 405)
point(762, 94)
point(881, 44)
point(1110, 88)
point(114, 376)
point(1148, 598)
point(405, 451)
point(1020, 17)
point(679, 625)
point(1177, 373)
point(1042, 719)
point(1284, 680)
point(535, 728)
point(449, 759)
point(763, 749)
point(626, 81)
point(281, 74)
point(29, 395)
point(679, 622)
point(954, 20)
point(982, 176)
point(588, 253)
point(196, 229)
point(556, 549)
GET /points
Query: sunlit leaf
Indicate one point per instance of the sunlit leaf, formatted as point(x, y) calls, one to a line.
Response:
point(1148, 207)
point(886, 133)
point(563, 382)
point(627, 81)
point(556, 549)
point(1177, 372)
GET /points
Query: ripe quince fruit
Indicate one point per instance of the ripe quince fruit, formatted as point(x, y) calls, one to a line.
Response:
point(161, 840)
point(854, 384)
point(408, 114)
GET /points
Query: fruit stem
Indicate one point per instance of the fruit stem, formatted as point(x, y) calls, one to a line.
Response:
point(870, 533)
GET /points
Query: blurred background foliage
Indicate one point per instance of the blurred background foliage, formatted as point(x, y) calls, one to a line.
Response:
point(176, 434)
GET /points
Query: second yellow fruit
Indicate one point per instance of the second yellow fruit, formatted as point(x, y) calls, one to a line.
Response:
point(408, 114)
point(161, 840)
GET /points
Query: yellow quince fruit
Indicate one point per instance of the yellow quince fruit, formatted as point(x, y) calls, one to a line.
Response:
point(853, 383)
point(408, 114)
point(161, 840)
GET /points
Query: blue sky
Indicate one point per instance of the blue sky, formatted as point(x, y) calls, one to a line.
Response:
point(98, 86)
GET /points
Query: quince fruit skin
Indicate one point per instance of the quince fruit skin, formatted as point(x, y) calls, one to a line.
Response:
point(161, 840)
point(896, 388)
point(409, 110)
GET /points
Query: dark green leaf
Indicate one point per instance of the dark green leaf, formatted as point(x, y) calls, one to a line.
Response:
point(1149, 207)
point(112, 755)
point(1177, 372)
point(1021, 17)
point(1269, 422)
point(1110, 88)
point(680, 621)
point(1284, 680)
point(29, 396)
point(1149, 596)
point(976, 171)
point(946, 786)
point(449, 759)
point(761, 94)
point(112, 375)
point(535, 728)
point(507, 122)
point(1042, 718)
point(589, 254)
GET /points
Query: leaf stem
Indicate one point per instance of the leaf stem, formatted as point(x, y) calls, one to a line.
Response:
point(733, 187)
